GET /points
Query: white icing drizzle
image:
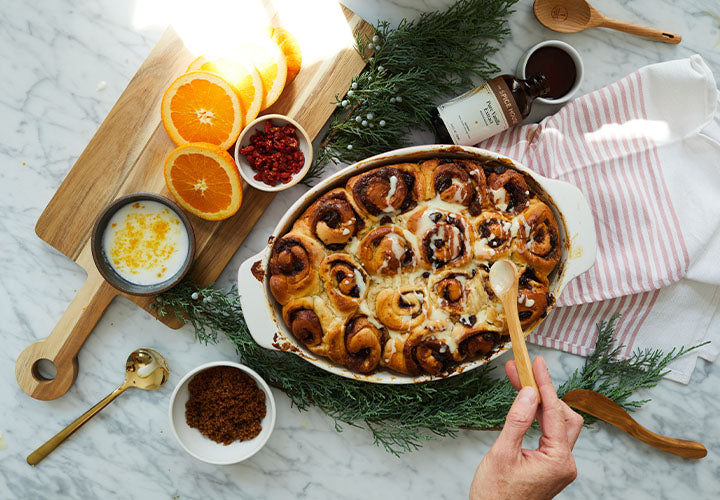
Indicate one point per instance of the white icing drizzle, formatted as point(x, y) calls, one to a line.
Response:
point(391, 192)
point(398, 249)
point(499, 198)
point(527, 228)
point(360, 281)
point(345, 231)
point(458, 196)
point(529, 302)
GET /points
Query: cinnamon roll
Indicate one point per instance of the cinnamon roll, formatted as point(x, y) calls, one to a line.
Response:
point(293, 267)
point(493, 236)
point(346, 282)
point(474, 339)
point(509, 192)
point(332, 220)
point(403, 309)
point(457, 181)
point(538, 238)
point(303, 318)
point(452, 291)
point(445, 237)
point(387, 190)
point(358, 344)
point(533, 296)
point(385, 251)
point(421, 353)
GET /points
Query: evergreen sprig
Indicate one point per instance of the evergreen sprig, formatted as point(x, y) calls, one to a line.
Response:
point(402, 417)
point(409, 69)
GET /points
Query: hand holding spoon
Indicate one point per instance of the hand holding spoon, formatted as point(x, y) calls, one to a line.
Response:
point(571, 16)
point(145, 369)
point(504, 282)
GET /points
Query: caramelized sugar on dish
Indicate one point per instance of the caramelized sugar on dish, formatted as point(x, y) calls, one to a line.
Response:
point(392, 270)
point(146, 243)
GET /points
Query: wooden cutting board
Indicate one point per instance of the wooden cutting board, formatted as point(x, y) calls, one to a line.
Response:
point(127, 153)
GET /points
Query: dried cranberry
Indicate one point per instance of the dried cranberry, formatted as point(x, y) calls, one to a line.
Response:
point(274, 154)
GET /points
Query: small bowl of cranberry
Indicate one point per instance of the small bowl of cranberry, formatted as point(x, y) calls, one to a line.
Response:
point(273, 153)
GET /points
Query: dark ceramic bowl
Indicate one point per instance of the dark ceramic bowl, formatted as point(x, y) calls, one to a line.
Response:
point(106, 269)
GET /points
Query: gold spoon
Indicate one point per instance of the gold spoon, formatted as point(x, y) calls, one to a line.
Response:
point(145, 369)
point(571, 16)
point(504, 282)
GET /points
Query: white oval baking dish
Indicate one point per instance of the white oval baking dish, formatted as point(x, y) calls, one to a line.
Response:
point(263, 314)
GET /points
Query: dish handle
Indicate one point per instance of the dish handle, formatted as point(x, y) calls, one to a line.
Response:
point(254, 302)
point(580, 225)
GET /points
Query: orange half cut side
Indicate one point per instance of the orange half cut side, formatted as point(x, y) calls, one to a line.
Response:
point(204, 180)
point(202, 107)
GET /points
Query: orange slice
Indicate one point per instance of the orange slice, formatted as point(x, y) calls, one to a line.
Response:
point(291, 50)
point(202, 107)
point(270, 63)
point(204, 180)
point(243, 77)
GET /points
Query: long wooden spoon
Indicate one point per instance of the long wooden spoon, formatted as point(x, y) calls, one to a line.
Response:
point(571, 16)
point(504, 282)
point(609, 411)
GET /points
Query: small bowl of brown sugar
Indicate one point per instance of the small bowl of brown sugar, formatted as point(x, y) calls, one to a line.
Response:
point(222, 412)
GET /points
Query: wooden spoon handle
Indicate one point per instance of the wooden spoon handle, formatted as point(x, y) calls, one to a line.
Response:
point(636, 29)
point(66, 339)
point(517, 337)
point(609, 411)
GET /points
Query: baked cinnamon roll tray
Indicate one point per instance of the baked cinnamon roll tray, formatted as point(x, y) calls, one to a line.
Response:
point(379, 273)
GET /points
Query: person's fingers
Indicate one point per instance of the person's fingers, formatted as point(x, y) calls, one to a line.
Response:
point(518, 421)
point(573, 423)
point(512, 374)
point(552, 422)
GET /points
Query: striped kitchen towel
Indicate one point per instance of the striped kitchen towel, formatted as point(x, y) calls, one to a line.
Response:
point(645, 151)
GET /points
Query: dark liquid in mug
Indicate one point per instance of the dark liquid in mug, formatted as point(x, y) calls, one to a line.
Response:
point(557, 66)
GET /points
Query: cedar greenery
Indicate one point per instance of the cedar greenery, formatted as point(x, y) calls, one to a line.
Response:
point(473, 400)
point(409, 68)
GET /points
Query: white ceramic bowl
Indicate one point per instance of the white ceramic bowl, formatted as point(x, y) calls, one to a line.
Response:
point(575, 222)
point(574, 55)
point(248, 173)
point(204, 448)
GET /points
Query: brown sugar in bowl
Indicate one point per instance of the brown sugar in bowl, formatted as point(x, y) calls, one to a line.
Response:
point(201, 444)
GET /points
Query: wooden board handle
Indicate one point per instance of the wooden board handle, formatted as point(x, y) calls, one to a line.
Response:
point(647, 32)
point(64, 342)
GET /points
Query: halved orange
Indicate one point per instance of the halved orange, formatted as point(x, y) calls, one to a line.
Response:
point(202, 107)
point(291, 50)
point(204, 180)
point(243, 77)
point(270, 63)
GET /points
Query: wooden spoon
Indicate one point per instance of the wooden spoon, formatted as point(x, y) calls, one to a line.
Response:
point(504, 282)
point(609, 411)
point(571, 16)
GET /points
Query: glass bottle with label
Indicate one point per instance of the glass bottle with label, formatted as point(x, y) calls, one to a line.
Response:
point(494, 106)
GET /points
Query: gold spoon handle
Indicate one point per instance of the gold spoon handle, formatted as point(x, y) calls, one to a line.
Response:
point(646, 31)
point(38, 455)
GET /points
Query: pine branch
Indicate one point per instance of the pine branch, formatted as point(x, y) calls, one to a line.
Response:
point(409, 69)
point(403, 417)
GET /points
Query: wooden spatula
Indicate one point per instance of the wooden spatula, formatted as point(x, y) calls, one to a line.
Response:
point(609, 411)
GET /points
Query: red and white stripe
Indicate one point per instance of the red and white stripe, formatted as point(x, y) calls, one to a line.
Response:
point(640, 243)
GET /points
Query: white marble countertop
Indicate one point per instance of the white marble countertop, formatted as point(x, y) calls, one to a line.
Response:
point(54, 56)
